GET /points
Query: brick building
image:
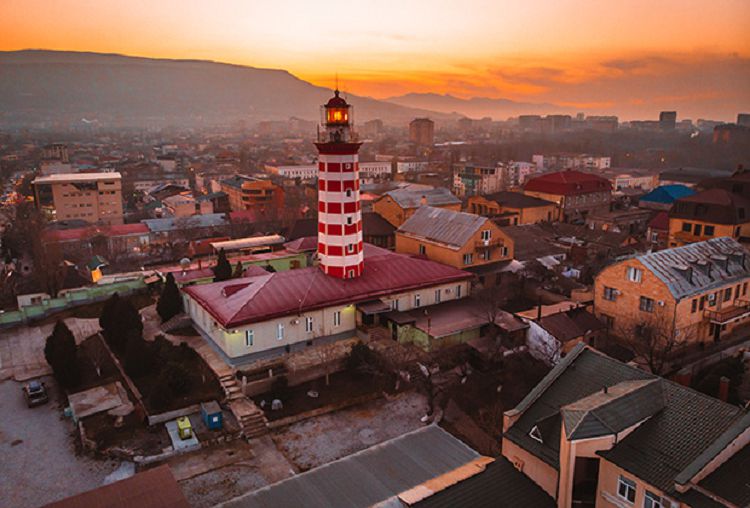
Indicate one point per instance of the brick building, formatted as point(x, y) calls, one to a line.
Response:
point(453, 238)
point(694, 293)
point(247, 193)
point(709, 214)
point(513, 208)
point(576, 193)
point(398, 205)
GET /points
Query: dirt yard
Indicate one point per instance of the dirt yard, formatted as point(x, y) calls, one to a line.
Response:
point(320, 440)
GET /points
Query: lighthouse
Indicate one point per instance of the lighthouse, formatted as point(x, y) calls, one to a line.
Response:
point(340, 247)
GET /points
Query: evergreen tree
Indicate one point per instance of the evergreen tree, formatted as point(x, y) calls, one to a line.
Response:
point(238, 270)
point(138, 356)
point(60, 352)
point(170, 303)
point(222, 270)
point(119, 320)
point(109, 310)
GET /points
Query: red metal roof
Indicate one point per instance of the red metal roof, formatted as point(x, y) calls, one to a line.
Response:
point(294, 291)
point(567, 183)
point(304, 244)
point(660, 221)
point(153, 488)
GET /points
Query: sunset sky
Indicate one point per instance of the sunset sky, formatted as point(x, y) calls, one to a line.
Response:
point(628, 56)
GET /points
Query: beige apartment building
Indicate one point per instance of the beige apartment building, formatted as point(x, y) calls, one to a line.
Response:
point(93, 197)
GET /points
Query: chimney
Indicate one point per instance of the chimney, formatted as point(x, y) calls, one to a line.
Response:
point(423, 201)
point(539, 310)
point(723, 388)
point(604, 389)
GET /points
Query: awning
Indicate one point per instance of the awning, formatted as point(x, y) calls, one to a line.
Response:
point(373, 307)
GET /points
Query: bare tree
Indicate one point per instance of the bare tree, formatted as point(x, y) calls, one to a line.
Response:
point(654, 341)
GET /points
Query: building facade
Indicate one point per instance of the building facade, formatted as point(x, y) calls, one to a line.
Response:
point(398, 205)
point(248, 193)
point(576, 193)
point(93, 197)
point(473, 180)
point(422, 131)
point(514, 208)
point(709, 214)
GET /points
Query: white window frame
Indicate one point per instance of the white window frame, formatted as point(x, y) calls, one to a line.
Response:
point(535, 434)
point(422, 249)
point(308, 324)
point(486, 235)
point(417, 300)
point(468, 258)
point(628, 485)
point(437, 296)
point(652, 500)
point(394, 304)
point(610, 294)
point(249, 338)
point(458, 291)
point(337, 318)
point(350, 248)
point(634, 274)
point(279, 331)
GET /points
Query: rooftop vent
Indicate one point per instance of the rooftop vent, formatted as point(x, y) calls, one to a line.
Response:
point(685, 271)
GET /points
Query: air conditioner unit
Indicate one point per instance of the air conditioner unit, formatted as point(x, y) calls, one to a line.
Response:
point(661, 303)
point(295, 321)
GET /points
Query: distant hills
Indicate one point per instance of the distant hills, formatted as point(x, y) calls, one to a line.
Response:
point(39, 87)
point(477, 107)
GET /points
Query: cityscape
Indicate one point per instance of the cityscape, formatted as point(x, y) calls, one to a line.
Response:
point(400, 255)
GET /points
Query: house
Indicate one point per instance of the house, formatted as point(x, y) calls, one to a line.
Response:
point(264, 316)
point(453, 238)
point(513, 208)
point(397, 205)
point(601, 433)
point(451, 323)
point(633, 221)
point(531, 242)
point(576, 193)
point(404, 471)
point(378, 231)
point(694, 293)
point(662, 197)
point(583, 243)
point(554, 335)
point(657, 232)
point(709, 214)
point(152, 488)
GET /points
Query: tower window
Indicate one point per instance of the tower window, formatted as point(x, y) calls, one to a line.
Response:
point(350, 248)
point(351, 274)
point(349, 220)
point(348, 193)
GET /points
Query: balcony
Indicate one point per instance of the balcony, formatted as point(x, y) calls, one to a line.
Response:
point(492, 242)
point(739, 310)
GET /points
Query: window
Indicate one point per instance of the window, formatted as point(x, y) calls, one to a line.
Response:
point(279, 331)
point(337, 318)
point(486, 235)
point(702, 303)
point(468, 258)
point(351, 274)
point(610, 294)
point(249, 336)
point(744, 289)
point(654, 237)
point(698, 230)
point(349, 221)
point(647, 304)
point(634, 274)
point(505, 251)
point(417, 300)
point(694, 305)
point(350, 248)
point(422, 250)
point(652, 500)
point(687, 227)
point(308, 324)
point(708, 231)
point(535, 434)
point(437, 296)
point(348, 193)
point(626, 489)
point(394, 304)
point(727, 294)
point(458, 291)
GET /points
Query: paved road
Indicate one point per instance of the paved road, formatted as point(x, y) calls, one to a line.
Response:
point(38, 463)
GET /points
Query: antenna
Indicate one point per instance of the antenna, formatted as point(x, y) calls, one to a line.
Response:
point(337, 80)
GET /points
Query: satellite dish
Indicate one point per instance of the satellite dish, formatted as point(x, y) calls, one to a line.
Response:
point(185, 262)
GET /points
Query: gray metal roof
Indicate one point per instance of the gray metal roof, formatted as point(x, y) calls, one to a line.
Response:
point(442, 226)
point(699, 267)
point(409, 198)
point(368, 477)
point(195, 221)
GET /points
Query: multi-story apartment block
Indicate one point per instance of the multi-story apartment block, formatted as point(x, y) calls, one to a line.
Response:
point(599, 433)
point(453, 238)
point(422, 131)
point(576, 193)
point(709, 214)
point(474, 180)
point(248, 193)
point(694, 293)
point(571, 161)
point(93, 197)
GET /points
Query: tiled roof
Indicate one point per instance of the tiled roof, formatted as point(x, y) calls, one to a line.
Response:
point(375, 225)
point(667, 194)
point(581, 373)
point(409, 198)
point(530, 241)
point(665, 444)
point(565, 326)
point(370, 477)
point(714, 205)
point(724, 481)
point(442, 226)
point(517, 200)
point(567, 183)
point(304, 244)
point(501, 485)
point(699, 267)
point(282, 293)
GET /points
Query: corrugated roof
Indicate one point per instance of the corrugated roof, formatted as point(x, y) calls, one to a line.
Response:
point(410, 198)
point(724, 480)
point(371, 476)
point(442, 226)
point(517, 200)
point(195, 221)
point(667, 194)
point(568, 182)
point(699, 267)
point(293, 291)
point(714, 205)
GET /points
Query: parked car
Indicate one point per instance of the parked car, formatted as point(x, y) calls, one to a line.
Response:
point(35, 393)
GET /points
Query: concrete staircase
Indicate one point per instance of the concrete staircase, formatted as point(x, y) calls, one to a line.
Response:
point(231, 387)
point(250, 417)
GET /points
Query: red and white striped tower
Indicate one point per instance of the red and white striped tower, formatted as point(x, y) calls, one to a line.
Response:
point(340, 247)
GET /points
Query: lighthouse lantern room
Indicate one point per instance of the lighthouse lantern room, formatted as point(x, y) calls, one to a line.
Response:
point(340, 247)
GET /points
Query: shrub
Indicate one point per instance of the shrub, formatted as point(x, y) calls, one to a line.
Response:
point(60, 351)
point(170, 302)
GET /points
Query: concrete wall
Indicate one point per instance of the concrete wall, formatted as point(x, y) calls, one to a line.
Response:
point(533, 467)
